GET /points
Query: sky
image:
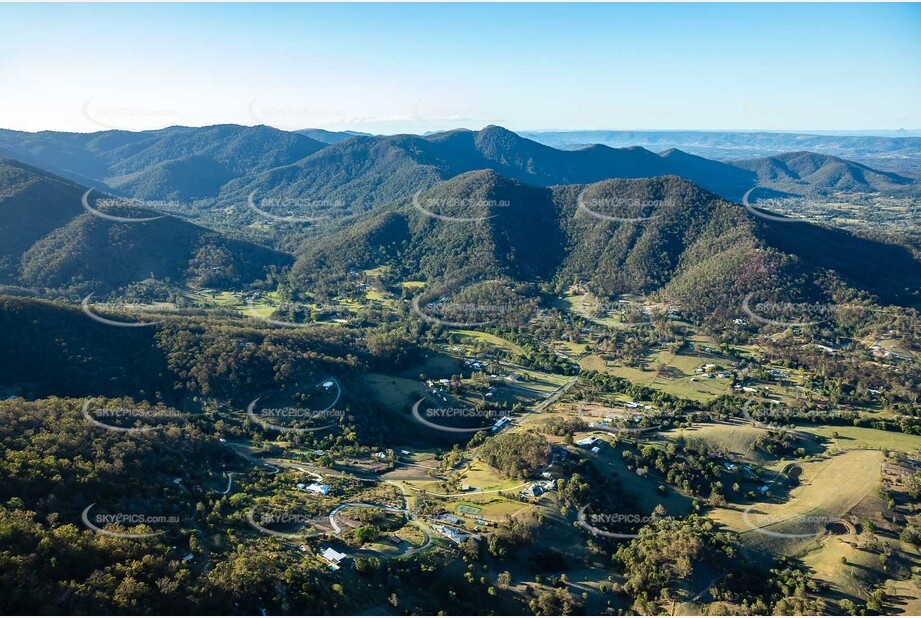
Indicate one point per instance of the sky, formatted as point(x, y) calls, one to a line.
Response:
point(411, 68)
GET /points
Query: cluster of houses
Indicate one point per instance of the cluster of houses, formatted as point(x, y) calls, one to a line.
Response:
point(451, 519)
point(745, 389)
point(589, 441)
point(438, 387)
point(880, 351)
point(445, 527)
point(608, 421)
point(473, 364)
point(732, 467)
point(445, 524)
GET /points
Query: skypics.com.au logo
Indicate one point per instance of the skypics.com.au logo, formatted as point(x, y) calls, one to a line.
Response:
point(433, 206)
point(789, 314)
point(461, 314)
point(137, 415)
point(129, 117)
point(119, 202)
point(292, 115)
point(124, 520)
point(805, 313)
point(112, 306)
point(618, 209)
point(281, 518)
point(493, 417)
point(289, 204)
point(592, 521)
point(289, 413)
point(810, 525)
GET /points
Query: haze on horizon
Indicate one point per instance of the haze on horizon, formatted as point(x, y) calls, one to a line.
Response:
point(419, 67)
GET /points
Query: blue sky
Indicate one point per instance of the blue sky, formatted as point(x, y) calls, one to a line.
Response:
point(418, 67)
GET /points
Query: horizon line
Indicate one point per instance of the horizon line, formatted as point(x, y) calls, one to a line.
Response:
point(841, 132)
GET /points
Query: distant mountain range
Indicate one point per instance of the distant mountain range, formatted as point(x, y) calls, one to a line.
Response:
point(666, 222)
point(221, 166)
point(330, 137)
point(367, 171)
point(898, 152)
point(176, 163)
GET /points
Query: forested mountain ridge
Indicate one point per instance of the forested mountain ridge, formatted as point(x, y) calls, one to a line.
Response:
point(32, 204)
point(50, 241)
point(99, 255)
point(55, 348)
point(370, 171)
point(182, 163)
point(330, 137)
point(214, 168)
point(650, 236)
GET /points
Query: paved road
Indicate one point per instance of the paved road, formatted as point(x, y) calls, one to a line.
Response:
point(370, 505)
point(390, 509)
point(229, 481)
point(547, 402)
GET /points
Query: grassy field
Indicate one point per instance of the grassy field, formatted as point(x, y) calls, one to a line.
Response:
point(735, 438)
point(484, 478)
point(391, 391)
point(435, 366)
point(491, 509)
point(904, 597)
point(584, 304)
point(569, 348)
point(499, 342)
point(829, 489)
point(676, 377)
point(866, 438)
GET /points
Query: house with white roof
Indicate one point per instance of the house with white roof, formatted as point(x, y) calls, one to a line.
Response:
point(333, 557)
point(316, 488)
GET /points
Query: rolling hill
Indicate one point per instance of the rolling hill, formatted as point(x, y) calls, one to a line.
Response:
point(808, 172)
point(898, 151)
